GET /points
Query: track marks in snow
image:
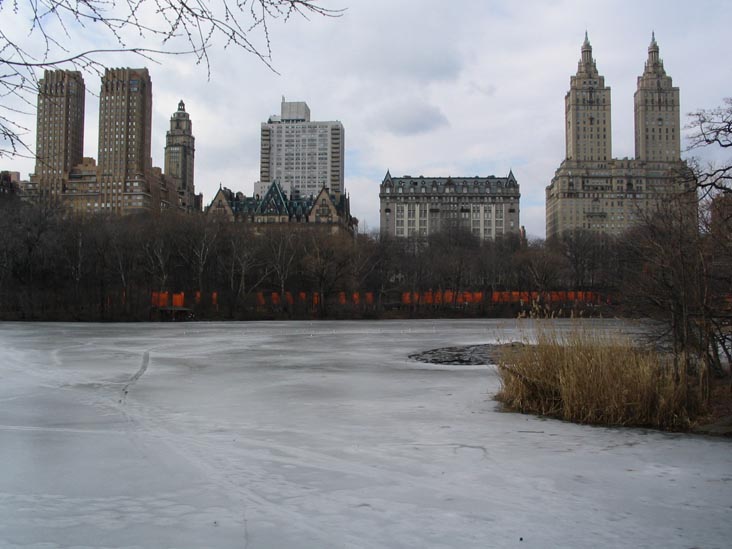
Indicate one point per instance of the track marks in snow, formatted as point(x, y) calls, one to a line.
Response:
point(58, 430)
point(112, 512)
point(137, 375)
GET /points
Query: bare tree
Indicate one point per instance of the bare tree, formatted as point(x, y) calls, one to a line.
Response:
point(243, 263)
point(123, 256)
point(712, 128)
point(282, 250)
point(327, 260)
point(196, 240)
point(30, 255)
point(453, 254)
point(673, 274)
point(387, 274)
point(495, 264)
point(45, 34)
point(157, 252)
point(366, 260)
point(541, 265)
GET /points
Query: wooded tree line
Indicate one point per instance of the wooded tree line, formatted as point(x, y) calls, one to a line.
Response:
point(55, 266)
point(52, 264)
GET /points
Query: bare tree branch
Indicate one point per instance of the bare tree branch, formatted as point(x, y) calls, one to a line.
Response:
point(149, 29)
point(712, 128)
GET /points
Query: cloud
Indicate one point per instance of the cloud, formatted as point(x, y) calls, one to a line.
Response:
point(488, 90)
point(412, 118)
point(367, 189)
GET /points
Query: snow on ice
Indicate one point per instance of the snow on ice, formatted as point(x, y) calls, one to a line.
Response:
point(322, 434)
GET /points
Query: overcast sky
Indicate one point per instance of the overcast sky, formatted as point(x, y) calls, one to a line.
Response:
point(433, 87)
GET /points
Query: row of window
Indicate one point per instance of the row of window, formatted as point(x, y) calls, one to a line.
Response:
point(446, 190)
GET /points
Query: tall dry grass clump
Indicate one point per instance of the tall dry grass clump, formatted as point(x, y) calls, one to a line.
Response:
point(589, 377)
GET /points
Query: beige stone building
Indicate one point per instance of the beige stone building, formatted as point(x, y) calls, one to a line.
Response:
point(593, 191)
point(419, 206)
point(301, 155)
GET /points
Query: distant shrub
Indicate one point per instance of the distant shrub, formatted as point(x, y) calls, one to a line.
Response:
point(589, 377)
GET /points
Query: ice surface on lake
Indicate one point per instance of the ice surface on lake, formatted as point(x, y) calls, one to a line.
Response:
point(323, 434)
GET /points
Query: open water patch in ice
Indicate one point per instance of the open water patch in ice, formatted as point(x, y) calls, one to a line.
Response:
point(469, 355)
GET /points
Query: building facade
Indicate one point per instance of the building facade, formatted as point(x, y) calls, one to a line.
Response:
point(82, 193)
point(179, 157)
point(324, 210)
point(488, 207)
point(125, 141)
point(9, 184)
point(593, 191)
point(123, 181)
point(300, 154)
point(59, 130)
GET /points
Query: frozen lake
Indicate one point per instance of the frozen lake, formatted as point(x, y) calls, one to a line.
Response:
point(318, 435)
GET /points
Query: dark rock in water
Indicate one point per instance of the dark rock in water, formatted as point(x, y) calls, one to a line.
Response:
point(467, 355)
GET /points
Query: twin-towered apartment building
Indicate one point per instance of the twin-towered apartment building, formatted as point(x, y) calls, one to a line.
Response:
point(123, 180)
point(593, 191)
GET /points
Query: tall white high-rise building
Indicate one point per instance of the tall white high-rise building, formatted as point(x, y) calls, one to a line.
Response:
point(302, 155)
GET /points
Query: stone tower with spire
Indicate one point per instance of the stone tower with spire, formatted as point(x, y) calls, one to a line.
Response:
point(591, 190)
point(179, 157)
point(657, 125)
point(587, 110)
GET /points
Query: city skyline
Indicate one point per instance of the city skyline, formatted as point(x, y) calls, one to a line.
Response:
point(424, 89)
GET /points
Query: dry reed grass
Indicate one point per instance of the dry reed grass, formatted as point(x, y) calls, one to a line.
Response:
point(589, 377)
